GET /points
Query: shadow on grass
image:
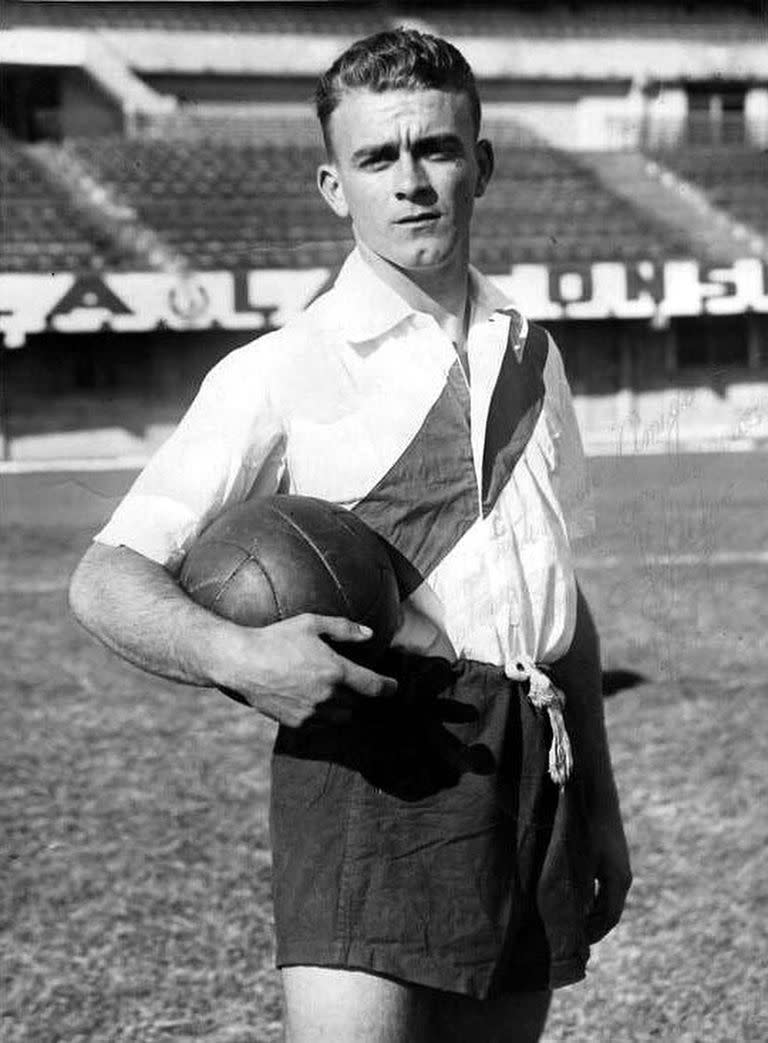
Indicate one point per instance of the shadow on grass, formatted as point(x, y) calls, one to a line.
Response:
point(615, 681)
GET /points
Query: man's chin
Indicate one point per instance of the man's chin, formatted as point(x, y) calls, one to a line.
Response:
point(424, 260)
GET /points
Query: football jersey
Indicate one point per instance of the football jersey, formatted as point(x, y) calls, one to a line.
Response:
point(477, 484)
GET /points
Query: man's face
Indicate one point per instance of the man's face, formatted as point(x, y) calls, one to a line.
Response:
point(407, 169)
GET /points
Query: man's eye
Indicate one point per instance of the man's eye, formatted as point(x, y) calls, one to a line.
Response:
point(443, 152)
point(375, 162)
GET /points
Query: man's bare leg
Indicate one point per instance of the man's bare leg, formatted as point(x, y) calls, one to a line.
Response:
point(326, 1005)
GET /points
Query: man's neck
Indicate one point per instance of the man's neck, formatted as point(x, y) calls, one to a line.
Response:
point(441, 294)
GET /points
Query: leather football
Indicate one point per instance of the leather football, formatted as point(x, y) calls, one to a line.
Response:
point(274, 557)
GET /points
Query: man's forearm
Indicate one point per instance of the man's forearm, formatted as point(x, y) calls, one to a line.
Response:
point(579, 674)
point(138, 610)
point(286, 670)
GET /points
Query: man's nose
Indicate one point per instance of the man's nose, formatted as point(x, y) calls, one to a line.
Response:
point(412, 179)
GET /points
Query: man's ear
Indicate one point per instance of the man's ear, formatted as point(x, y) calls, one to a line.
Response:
point(331, 189)
point(485, 163)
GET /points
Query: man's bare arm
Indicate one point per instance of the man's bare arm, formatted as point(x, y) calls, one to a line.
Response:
point(579, 674)
point(286, 671)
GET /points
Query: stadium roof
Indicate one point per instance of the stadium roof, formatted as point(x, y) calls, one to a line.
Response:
point(735, 19)
point(640, 41)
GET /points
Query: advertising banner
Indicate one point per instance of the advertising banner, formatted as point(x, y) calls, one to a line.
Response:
point(265, 299)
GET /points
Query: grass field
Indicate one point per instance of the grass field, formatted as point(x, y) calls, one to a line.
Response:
point(135, 857)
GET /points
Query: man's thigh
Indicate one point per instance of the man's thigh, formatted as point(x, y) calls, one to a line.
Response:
point(344, 1006)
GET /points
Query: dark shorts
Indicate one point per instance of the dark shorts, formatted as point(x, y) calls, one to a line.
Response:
point(426, 842)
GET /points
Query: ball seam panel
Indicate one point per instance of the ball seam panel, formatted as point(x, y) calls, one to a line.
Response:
point(249, 557)
point(311, 543)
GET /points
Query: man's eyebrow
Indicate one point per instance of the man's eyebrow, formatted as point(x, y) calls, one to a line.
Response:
point(367, 151)
point(420, 145)
point(437, 141)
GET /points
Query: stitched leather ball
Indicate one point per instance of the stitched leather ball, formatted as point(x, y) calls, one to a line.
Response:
point(274, 557)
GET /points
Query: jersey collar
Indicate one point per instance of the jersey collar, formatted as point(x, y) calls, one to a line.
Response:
point(369, 308)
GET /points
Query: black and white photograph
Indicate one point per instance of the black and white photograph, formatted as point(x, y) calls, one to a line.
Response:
point(383, 521)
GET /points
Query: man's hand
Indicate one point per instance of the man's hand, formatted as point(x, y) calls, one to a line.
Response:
point(289, 673)
point(579, 674)
point(286, 670)
point(613, 875)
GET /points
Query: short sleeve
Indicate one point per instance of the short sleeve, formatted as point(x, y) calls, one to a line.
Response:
point(571, 479)
point(229, 444)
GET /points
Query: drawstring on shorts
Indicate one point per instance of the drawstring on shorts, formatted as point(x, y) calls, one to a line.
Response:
point(544, 695)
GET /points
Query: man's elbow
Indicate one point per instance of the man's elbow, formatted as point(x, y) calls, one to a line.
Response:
point(86, 585)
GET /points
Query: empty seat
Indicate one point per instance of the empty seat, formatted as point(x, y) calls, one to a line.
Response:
point(734, 178)
point(226, 203)
point(41, 230)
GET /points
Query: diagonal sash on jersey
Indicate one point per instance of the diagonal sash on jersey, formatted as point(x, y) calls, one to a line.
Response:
point(429, 498)
point(515, 408)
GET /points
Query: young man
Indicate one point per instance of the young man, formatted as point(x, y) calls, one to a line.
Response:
point(444, 853)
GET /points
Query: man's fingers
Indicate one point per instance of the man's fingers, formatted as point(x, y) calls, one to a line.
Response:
point(336, 710)
point(337, 628)
point(607, 910)
point(367, 682)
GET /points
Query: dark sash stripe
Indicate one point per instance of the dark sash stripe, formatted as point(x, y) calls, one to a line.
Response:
point(515, 407)
point(428, 499)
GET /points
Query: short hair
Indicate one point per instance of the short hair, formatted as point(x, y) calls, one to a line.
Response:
point(396, 59)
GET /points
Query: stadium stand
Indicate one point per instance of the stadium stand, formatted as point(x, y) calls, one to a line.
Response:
point(650, 20)
point(208, 165)
point(545, 206)
point(292, 123)
point(41, 229)
point(715, 22)
point(281, 124)
point(734, 179)
point(331, 18)
point(229, 204)
point(223, 205)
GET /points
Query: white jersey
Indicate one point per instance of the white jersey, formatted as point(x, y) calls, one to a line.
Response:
point(477, 485)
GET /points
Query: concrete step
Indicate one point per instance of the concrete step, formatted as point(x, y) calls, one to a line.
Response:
point(657, 192)
point(668, 419)
point(103, 209)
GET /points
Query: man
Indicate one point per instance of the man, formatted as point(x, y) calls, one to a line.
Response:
point(445, 843)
